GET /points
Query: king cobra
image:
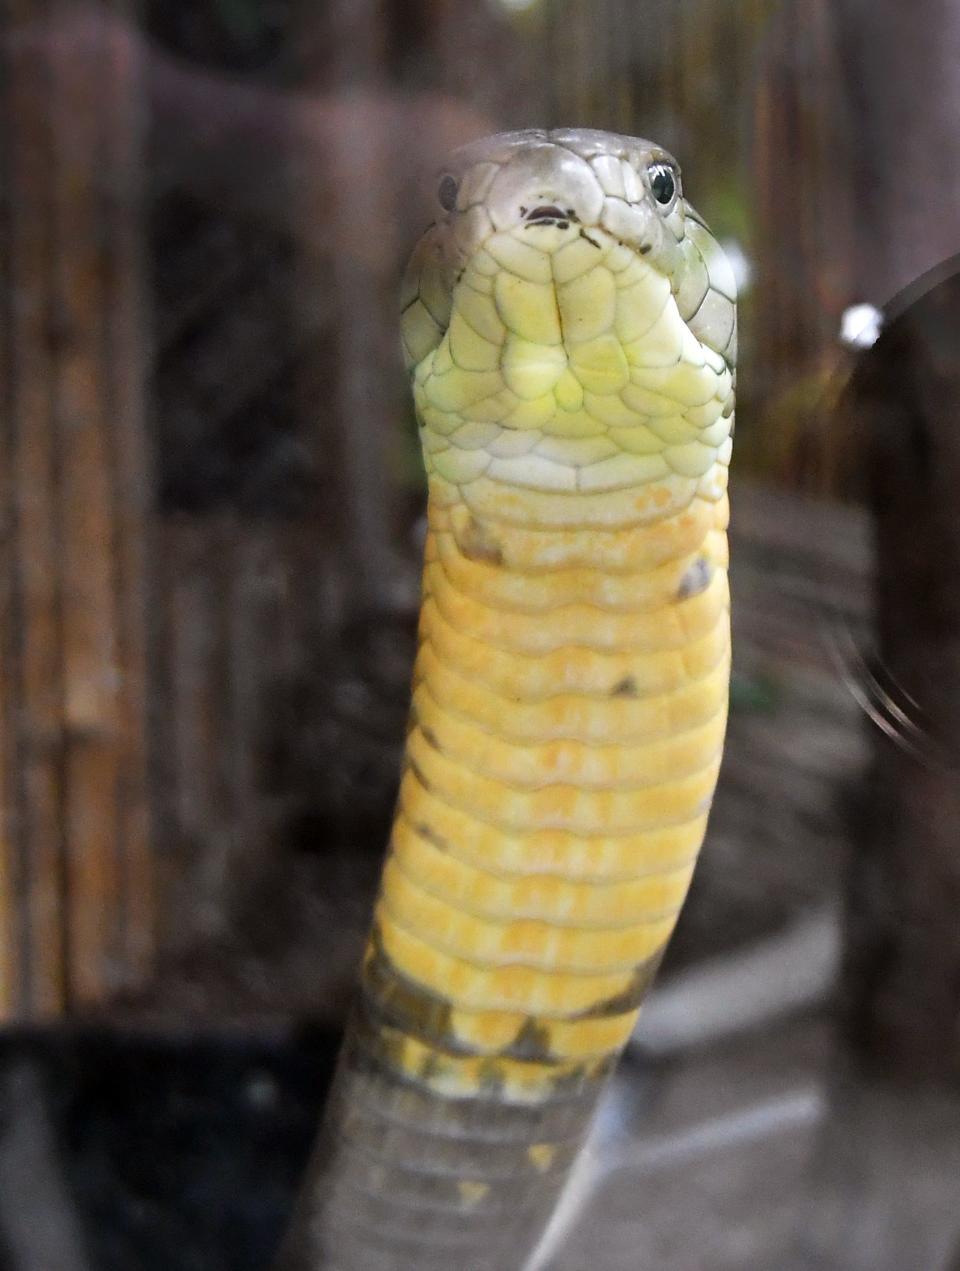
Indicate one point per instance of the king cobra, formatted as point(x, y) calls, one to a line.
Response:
point(569, 323)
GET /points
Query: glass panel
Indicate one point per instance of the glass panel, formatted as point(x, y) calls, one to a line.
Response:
point(212, 527)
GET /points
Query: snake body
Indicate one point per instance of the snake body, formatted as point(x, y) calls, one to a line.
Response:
point(570, 327)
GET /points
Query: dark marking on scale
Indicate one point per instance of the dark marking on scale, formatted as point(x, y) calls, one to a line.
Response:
point(398, 1000)
point(430, 834)
point(490, 1078)
point(479, 543)
point(424, 782)
point(696, 579)
point(532, 1042)
point(632, 995)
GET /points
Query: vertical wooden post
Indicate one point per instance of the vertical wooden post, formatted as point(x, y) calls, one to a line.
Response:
point(804, 140)
point(72, 682)
point(32, 676)
point(353, 188)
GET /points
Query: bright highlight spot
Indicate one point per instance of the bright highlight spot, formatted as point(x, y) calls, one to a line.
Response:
point(860, 326)
point(739, 263)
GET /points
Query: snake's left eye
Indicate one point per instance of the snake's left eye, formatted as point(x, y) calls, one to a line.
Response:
point(447, 193)
point(663, 183)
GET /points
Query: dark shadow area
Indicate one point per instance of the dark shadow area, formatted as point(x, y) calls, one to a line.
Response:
point(176, 1153)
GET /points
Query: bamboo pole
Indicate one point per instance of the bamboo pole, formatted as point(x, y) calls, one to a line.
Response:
point(353, 186)
point(127, 340)
point(72, 681)
point(89, 633)
point(33, 681)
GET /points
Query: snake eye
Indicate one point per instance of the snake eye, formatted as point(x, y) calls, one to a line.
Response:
point(447, 193)
point(663, 182)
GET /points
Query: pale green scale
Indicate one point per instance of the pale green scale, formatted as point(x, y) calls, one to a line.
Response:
point(673, 429)
point(576, 422)
point(470, 351)
point(576, 258)
point(623, 472)
point(588, 305)
point(647, 403)
point(529, 369)
point(478, 308)
point(639, 306)
point(569, 392)
point(600, 365)
point(705, 416)
point(535, 413)
point(691, 459)
point(474, 435)
point(534, 472)
point(528, 309)
point(717, 433)
point(459, 466)
point(492, 409)
point(520, 258)
point(580, 452)
point(515, 443)
point(637, 439)
point(664, 344)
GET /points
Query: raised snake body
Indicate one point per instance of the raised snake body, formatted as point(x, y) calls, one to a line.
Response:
point(570, 326)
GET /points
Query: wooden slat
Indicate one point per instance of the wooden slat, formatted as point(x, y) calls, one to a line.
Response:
point(126, 370)
point(35, 695)
point(90, 637)
point(12, 883)
point(241, 614)
point(806, 246)
point(72, 677)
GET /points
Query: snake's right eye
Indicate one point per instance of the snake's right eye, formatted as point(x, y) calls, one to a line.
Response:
point(447, 193)
point(663, 183)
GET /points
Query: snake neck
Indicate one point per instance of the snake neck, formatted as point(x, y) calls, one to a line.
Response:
point(568, 715)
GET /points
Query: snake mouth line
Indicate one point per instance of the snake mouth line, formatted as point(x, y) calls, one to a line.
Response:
point(549, 214)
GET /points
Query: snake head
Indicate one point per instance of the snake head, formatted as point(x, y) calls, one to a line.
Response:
point(551, 188)
point(567, 285)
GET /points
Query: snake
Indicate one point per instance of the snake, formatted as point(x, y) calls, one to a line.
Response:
point(569, 325)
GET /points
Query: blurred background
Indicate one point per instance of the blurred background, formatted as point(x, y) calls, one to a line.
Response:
point(210, 522)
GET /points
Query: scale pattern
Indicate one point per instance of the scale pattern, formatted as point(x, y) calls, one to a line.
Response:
point(569, 696)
